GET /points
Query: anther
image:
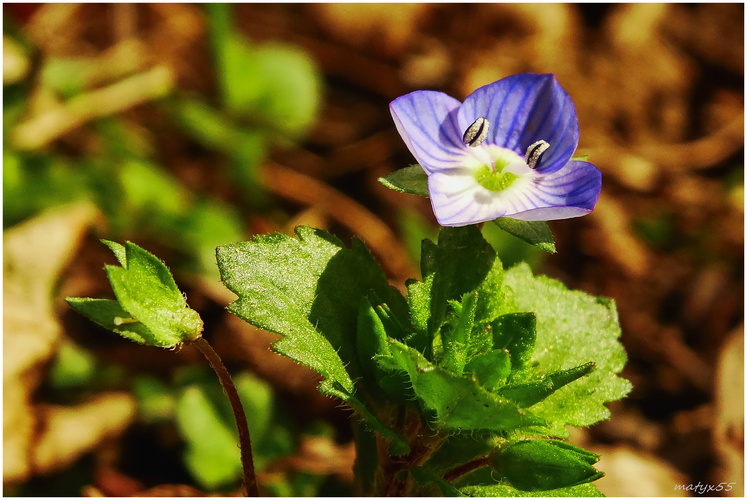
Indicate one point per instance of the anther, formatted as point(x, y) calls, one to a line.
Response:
point(534, 152)
point(476, 133)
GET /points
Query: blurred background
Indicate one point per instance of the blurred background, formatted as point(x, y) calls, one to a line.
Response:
point(183, 127)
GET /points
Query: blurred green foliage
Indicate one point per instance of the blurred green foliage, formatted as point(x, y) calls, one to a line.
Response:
point(270, 95)
point(73, 367)
point(192, 399)
point(203, 416)
point(127, 163)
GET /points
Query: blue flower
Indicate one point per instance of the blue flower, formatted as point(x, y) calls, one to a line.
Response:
point(504, 152)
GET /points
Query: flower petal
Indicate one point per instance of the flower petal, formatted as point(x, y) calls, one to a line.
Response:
point(426, 120)
point(523, 109)
point(570, 192)
point(458, 199)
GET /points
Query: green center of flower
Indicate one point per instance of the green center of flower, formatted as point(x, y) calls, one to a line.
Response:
point(495, 179)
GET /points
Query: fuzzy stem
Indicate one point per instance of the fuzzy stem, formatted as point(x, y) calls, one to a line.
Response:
point(245, 442)
point(422, 447)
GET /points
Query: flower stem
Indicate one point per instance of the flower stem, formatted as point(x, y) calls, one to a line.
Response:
point(245, 442)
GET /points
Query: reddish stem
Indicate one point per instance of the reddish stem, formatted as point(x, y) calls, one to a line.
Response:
point(245, 442)
point(463, 469)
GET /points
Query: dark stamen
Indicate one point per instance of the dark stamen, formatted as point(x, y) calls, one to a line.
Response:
point(534, 152)
point(476, 133)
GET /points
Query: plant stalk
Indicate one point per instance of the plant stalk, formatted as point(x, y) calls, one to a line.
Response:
point(245, 442)
point(465, 468)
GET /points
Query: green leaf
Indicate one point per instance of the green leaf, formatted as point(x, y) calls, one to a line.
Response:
point(573, 328)
point(273, 277)
point(149, 308)
point(118, 250)
point(208, 224)
point(371, 341)
point(146, 289)
point(458, 403)
point(493, 300)
point(371, 338)
point(409, 180)
point(501, 490)
point(212, 128)
point(579, 453)
point(536, 465)
point(212, 453)
point(456, 337)
point(490, 369)
point(536, 233)
point(309, 290)
point(257, 399)
point(246, 147)
point(109, 314)
point(517, 334)
point(33, 182)
point(459, 264)
point(66, 75)
point(531, 393)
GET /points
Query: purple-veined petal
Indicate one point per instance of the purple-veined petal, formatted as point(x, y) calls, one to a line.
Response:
point(523, 109)
point(426, 120)
point(569, 192)
point(458, 199)
point(463, 209)
point(520, 110)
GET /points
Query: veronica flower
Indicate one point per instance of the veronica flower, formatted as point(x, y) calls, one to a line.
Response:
point(504, 152)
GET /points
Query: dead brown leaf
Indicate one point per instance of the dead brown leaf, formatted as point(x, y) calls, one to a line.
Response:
point(728, 431)
point(630, 473)
point(39, 438)
point(387, 25)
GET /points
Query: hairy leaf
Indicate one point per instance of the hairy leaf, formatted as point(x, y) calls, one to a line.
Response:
point(457, 265)
point(536, 233)
point(309, 289)
point(457, 402)
point(503, 490)
point(410, 180)
point(573, 329)
point(149, 308)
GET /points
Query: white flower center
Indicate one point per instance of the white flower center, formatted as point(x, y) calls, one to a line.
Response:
point(496, 168)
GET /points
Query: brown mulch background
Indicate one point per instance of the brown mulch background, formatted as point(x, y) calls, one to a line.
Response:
point(659, 90)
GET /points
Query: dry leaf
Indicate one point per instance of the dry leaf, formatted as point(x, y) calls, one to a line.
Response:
point(388, 25)
point(728, 432)
point(629, 473)
point(40, 438)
